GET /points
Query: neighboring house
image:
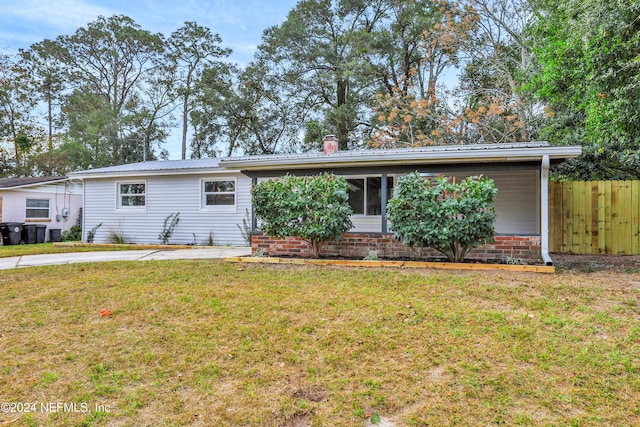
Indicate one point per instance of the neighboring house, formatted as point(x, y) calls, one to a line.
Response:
point(53, 201)
point(213, 195)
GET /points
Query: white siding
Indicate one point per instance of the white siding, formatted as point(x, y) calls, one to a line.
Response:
point(517, 202)
point(60, 197)
point(366, 223)
point(166, 195)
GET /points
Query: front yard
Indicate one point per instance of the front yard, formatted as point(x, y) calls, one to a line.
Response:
point(208, 343)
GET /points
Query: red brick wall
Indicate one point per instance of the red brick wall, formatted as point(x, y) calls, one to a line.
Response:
point(358, 245)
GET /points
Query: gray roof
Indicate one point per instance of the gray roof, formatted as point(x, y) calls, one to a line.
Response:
point(167, 167)
point(479, 153)
point(11, 183)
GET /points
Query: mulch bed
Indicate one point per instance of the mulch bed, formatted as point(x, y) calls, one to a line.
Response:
point(597, 262)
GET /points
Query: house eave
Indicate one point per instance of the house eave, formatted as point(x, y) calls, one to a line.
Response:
point(381, 158)
point(146, 173)
point(34, 184)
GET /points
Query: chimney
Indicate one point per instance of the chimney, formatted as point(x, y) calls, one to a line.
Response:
point(330, 144)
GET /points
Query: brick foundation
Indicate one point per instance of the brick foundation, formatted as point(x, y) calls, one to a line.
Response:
point(358, 246)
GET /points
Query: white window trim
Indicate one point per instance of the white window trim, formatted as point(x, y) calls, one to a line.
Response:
point(366, 191)
point(120, 208)
point(222, 208)
point(26, 208)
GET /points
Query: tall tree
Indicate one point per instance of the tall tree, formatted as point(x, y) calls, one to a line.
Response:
point(317, 51)
point(47, 79)
point(16, 127)
point(110, 59)
point(588, 59)
point(409, 110)
point(191, 48)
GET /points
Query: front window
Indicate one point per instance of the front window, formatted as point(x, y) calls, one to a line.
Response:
point(365, 194)
point(219, 192)
point(132, 194)
point(37, 209)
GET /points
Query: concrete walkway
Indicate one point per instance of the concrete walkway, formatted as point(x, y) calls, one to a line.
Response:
point(135, 255)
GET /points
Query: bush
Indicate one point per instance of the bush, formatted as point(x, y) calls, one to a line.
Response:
point(73, 234)
point(315, 209)
point(168, 226)
point(451, 218)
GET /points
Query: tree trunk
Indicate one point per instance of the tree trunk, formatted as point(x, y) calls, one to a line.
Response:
point(315, 248)
point(342, 126)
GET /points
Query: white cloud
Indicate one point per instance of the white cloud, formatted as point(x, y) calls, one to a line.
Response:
point(61, 14)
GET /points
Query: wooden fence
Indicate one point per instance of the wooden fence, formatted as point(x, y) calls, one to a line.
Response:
point(594, 217)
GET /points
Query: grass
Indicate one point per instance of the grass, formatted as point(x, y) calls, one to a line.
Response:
point(209, 343)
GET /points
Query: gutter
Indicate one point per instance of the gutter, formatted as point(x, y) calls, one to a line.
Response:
point(544, 211)
point(378, 158)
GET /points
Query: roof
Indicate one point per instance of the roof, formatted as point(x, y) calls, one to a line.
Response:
point(479, 153)
point(164, 167)
point(11, 183)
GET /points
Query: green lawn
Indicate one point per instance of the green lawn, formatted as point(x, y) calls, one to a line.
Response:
point(214, 344)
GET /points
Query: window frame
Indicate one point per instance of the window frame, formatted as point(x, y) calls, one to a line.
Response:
point(119, 195)
point(27, 208)
point(218, 208)
point(366, 192)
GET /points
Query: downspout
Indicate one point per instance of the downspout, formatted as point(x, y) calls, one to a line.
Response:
point(84, 211)
point(544, 210)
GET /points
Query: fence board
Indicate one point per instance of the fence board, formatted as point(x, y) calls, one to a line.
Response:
point(594, 217)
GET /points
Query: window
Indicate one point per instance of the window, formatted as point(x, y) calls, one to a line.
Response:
point(132, 194)
point(365, 194)
point(219, 192)
point(37, 209)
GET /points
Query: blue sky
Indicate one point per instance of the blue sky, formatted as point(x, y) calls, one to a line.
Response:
point(240, 23)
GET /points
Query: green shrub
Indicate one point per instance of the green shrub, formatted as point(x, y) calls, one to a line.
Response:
point(91, 235)
point(451, 218)
point(73, 234)
point(168, 226)
point(315, 209)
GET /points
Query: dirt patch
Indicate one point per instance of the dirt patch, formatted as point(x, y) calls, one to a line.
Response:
point(597, 262)
point(298, 421)
point(313, 394)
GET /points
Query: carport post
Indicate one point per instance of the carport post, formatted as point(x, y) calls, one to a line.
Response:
point(544, 210)
point(254, 220)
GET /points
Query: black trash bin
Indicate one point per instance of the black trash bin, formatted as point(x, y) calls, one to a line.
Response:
point(11, 233)
point(41, 233)
point(55, 235)
point(29, 234)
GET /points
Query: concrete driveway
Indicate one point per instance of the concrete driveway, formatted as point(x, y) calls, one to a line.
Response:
point(135, 255)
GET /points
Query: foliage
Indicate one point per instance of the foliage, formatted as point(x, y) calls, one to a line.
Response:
point(192, 48)
point(409, 110)
point(73, 234)
point(316, 55)
point(168, 226)
point(315, 209)
point(451, 218)
point(91, 235)
point(588, 72)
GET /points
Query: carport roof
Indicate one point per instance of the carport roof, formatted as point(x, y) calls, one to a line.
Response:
point(451, 154)
point(477, 153)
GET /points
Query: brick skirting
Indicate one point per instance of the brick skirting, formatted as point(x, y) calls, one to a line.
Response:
point(358, 246)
